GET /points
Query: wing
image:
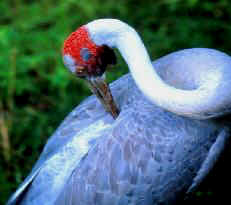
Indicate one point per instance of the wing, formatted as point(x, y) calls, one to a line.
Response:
point(80, 117)
point(74, 137)
point(148, 156)
point(213, 155)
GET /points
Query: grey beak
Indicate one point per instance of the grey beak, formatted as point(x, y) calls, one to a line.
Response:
point(101, 89)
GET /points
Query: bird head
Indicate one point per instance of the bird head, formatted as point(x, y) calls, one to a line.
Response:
point(83, 57)
point(89, 61)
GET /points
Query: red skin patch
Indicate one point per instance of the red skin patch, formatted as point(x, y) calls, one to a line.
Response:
point(78, 40)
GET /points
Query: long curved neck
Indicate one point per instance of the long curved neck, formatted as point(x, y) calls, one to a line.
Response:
point(192, 103)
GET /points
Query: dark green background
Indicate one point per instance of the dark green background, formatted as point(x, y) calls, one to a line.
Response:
point(37, 92)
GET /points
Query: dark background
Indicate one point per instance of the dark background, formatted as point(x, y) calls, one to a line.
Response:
point(37, 92)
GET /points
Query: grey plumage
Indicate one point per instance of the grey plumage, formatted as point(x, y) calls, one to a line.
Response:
point(147, 156)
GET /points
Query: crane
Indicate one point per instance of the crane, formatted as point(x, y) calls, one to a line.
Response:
point(154, 134)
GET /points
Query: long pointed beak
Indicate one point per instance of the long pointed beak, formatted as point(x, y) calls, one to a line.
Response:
point(101, 89)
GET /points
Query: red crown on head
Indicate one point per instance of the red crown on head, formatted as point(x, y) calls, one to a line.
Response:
point(78, 40)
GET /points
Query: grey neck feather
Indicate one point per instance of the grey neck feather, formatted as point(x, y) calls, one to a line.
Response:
point(201, 103)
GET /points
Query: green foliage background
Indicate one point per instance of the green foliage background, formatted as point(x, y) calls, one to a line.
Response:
point(37, 92)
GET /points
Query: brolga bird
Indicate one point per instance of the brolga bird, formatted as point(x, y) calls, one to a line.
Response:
point(161, 138)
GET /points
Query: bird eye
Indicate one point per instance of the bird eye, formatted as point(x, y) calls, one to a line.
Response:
point(85, 54)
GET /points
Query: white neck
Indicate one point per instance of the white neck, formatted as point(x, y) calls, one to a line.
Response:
point(192, 103)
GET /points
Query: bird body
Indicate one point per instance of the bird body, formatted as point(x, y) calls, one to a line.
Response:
point(146, 156)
